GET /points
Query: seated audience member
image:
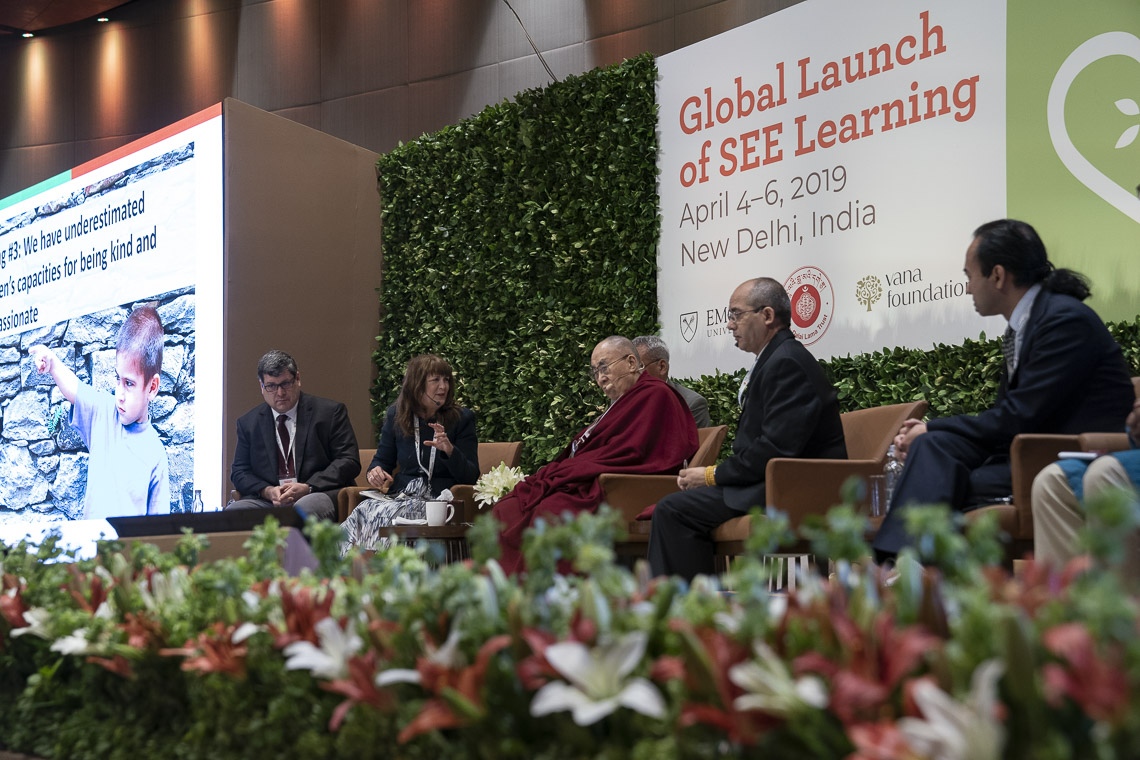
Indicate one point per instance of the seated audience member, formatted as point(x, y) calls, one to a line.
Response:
point(654, 356)
point(295, 449)
point(1061, 488)
point(1063, 373)
point(646, 429)
point(787, 409)
point(427, 444)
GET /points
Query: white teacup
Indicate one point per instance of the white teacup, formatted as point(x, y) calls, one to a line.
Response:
point(439, 512)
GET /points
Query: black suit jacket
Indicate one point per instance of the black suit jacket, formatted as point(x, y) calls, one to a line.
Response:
point(790, 410)
point(1071, 378)
point(325, 449)
point(460, 467)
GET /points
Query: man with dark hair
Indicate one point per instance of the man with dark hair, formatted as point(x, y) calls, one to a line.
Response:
point(294, 450)
point(1063, 373)
point(788, 408)
point(654, 356)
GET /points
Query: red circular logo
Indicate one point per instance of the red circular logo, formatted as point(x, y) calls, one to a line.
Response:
point(813, 303)
point(805, 306)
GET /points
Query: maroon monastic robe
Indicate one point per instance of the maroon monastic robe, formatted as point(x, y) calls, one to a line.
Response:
point(648, 431)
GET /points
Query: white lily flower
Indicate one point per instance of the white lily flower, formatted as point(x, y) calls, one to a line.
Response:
point(75, 643)
point(561, 595)
point(165, 589)
point(770, 686)
point(448, 655)
point(244, 631)
point(597, 683)
point(953, 730)
point(251, 600)
point(729, 621)
point(397, 675)
point(38, 619)
point(497, 483)
point(330, 660)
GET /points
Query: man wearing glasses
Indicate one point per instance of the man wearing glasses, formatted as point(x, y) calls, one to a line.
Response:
point(787, 409)
point(295, 450)
point(646, 429)
point(654, 356)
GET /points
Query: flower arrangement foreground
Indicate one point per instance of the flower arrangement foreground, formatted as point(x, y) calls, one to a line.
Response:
point(141, 654)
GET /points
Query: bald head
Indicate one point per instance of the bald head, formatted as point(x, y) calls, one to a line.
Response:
point(757, 310)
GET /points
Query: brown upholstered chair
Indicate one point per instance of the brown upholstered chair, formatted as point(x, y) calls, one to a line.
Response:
point(630, 494)
point(1029, 454)
point(803, 487)
point(490, 455)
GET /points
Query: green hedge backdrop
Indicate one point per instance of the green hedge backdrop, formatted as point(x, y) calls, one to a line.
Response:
point(517, 239)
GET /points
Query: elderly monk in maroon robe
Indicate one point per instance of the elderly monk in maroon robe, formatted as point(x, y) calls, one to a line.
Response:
point(647, 429)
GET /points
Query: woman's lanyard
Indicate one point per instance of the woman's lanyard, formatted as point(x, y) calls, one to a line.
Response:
point(419, 454)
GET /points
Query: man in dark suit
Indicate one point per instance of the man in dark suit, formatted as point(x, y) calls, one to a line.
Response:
point(654, 357)
point(1063, 373)
point(788, 409)
point(296, 449)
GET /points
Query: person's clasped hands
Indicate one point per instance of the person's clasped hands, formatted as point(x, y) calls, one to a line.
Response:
point(910, 430)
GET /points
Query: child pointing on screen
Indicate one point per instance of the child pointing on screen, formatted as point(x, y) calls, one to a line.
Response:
point(127, 472)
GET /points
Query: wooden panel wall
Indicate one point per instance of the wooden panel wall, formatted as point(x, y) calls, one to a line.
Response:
point(372, 72)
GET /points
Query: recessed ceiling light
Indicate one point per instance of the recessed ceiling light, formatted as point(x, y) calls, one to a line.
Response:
point(102, 19)
point(26, 35)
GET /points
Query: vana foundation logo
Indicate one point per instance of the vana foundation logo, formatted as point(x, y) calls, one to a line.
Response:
point(868, 291)
point(907, 287)
point(1083, 162)
point(813, 303)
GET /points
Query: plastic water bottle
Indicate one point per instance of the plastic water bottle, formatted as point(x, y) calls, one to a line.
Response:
point(198, 505)
point(891, 471)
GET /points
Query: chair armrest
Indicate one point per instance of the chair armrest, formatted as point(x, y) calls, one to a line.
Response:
point(1030, 454)
point(347, 500)
point(804, 487)
point(629, 494)
point(1104, 441)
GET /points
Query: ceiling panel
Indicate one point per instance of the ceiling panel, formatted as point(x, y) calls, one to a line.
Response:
point(18, 16)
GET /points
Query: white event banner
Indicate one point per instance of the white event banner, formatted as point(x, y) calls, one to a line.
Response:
point(846, 149)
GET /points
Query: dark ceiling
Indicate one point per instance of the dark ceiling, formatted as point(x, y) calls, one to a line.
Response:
point(18, 16)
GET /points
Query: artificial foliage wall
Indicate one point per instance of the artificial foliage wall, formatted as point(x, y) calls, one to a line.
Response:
point(517, 239)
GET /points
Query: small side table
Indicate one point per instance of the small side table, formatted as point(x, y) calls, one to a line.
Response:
point(453, 537)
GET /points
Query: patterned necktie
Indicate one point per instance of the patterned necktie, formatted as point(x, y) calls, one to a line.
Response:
point(1009, 349)
point(284, 454)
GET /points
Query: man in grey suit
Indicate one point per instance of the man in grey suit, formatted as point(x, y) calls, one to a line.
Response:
point(654, 356)
point(295, 449)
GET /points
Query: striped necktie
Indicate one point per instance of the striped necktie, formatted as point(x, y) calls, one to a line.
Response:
point(1009, 350)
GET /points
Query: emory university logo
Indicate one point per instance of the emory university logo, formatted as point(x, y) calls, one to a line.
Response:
point(689, 326)
point(813, 303)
